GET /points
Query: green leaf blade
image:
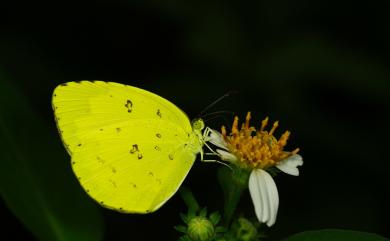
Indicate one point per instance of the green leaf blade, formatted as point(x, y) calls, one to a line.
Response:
point(36, 180)
point(335, 235)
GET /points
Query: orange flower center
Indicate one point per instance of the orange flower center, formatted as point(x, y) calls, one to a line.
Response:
point(256, 148)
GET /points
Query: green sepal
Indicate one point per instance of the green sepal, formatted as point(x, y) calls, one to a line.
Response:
point(220, 229)
point(190, 215)
point(215, 217)
point(184, 238)
point(203, 212)
point(180, 228)
point(273, 171)
point(184, 218)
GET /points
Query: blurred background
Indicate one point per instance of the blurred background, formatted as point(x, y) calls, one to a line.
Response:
point(321, 68)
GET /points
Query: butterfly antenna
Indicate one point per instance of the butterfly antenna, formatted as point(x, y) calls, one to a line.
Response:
point(217, 113)
point(216, 101)
point(220, 116)
point(211, 118)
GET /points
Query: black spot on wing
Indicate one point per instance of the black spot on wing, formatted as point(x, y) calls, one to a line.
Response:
point(159, 114)
point(129, 106)
point(158, 135)
point(134, 149)
point(100, 160)
point(113, 183)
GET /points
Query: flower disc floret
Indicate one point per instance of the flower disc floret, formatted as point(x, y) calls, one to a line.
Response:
point(256, 148)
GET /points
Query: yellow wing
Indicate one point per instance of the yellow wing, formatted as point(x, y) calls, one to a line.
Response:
point(131, 149)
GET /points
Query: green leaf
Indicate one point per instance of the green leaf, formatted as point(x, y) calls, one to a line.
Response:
point(36, 181)
point(335, 235)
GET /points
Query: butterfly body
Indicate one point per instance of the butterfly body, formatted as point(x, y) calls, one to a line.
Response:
point(130, 149)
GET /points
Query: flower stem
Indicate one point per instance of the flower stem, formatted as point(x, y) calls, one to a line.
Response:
point(233, 183)
point(189, 199)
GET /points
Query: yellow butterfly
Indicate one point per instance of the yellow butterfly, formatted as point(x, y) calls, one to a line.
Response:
point(130, 149)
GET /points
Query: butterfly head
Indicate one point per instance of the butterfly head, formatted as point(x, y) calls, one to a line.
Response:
point(198, 125)
point(197, 138)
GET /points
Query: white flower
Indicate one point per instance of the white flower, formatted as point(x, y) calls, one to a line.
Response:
point(258, 150)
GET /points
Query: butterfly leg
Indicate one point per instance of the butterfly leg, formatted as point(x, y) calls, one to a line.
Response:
point(216, 161)
point(210, 149)
point(212, 153)
point(206, 134)
point(206, 138)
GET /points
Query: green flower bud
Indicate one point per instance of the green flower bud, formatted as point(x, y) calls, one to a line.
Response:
point(200, 229)
point(245, 230)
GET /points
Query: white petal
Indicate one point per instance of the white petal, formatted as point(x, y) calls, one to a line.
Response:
point(290, 165)
point(216, 139)
point(264, 195)
point(227, 156)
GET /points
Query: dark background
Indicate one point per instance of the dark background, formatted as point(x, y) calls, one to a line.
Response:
point(321, 69)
